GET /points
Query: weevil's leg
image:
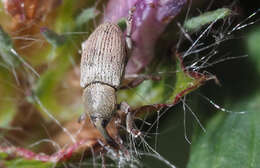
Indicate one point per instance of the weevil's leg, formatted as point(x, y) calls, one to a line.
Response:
point(122, 147)
point(129, 25)
point(107, 147)
point(133, 80)
point(124, 107)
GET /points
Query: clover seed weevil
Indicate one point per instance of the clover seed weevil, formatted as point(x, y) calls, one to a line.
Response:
point(103, 60)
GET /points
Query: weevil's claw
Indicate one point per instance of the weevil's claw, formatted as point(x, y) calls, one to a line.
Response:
point(135, 133)
point(82, 117)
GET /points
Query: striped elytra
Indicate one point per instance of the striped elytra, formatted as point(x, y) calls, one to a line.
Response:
point(103, 56)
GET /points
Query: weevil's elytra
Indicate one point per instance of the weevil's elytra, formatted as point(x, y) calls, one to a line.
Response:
point(103, 56)
point(102, 68)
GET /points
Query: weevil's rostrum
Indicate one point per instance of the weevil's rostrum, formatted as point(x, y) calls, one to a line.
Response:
point(102, 67)
point(103, 56)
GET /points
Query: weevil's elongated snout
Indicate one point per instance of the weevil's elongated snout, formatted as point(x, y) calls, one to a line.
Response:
point(100, 103)
point(101, 124)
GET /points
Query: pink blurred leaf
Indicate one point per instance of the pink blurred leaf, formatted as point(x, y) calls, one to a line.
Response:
point(150, 19)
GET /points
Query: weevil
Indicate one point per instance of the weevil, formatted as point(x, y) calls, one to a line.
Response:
point(104, 56)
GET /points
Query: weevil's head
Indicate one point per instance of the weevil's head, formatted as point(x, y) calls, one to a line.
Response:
point(100, 105)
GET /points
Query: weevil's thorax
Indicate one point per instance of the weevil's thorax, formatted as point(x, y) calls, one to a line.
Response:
point(103, 56)
point(99, 101)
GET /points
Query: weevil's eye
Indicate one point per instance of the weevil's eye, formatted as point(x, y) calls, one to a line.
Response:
point(104, 122)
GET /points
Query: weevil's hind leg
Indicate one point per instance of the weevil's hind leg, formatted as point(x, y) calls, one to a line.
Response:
point(129, 25)
point(119, 141)
point(124, 107)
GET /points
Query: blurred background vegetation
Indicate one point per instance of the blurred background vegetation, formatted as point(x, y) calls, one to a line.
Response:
point(230, 140)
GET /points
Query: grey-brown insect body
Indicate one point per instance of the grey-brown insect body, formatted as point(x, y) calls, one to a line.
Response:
point(102, 68)
point(103, 57)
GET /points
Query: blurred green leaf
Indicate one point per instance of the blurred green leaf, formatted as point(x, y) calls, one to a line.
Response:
point(196, 23)
point(253, 42)
point(60, 59)
point(6, 46)
point(22, 163)
point(44, 88)
point(149, 92)
point(9, 56)
point(86, 15)
point(7, 103)
point(65, 19)
point(122, 24)
point(231, 140)
point(5, 40)
point(174, 83)
point(52, 37)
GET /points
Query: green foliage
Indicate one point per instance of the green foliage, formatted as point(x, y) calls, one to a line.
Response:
point(5, 40)
point(196, 23)
point(253, 41)
point(166, 90)
point(122, 24)
point(23, 163)
point(53, 38)
point(7, 107)
point(6, 46)
point(86, 15)
point(232, 140)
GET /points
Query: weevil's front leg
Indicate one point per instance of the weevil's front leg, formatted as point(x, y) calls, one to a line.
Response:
point(124, 107)
point(129, 25)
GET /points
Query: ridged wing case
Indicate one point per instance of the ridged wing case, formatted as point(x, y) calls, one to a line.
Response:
point(103, 56)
